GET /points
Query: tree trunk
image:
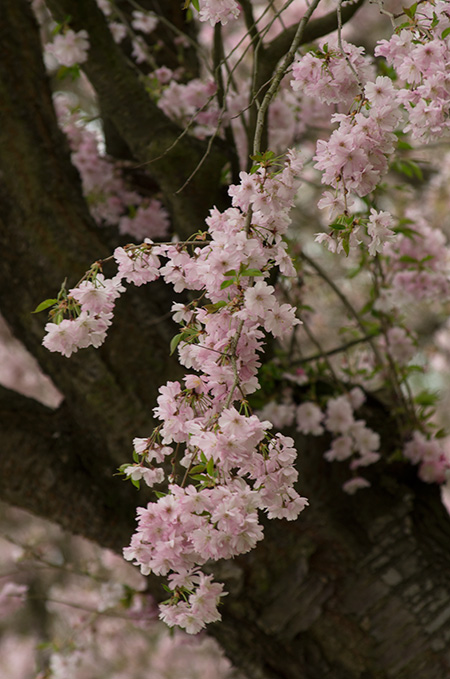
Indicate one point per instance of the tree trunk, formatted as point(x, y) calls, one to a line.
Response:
point(357, 588)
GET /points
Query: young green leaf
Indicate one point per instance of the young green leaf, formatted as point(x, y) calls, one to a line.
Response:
point(45, 305)
point(212, 308)
point(226, 284)
point(198, 468)
point(251, 272)
point(175, 342)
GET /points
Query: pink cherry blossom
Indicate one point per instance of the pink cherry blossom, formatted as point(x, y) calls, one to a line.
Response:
point(70, 48)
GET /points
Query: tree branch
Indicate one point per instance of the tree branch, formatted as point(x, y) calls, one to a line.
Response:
point(41, 471)
point(144, 127)
point(316, 28)
point(46, 234)
point(269, 56)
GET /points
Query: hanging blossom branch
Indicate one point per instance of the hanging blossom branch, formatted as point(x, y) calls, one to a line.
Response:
point(233, 464)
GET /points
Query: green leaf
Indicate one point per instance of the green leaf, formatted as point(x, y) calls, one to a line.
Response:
point(175, 342)
point(198, 477)
point(406, 231)
point(403, 145)
point(189, 332)
point(366, 308)
point(410, 11)
point(196, 5)
point(135, 456)
point(407, 259)
point(397, 456)
point(135, 483)
point(58, 28)
point(354, 271)
point(251, 272)
point(212, 308)
point(198, 468)
point(426, 398)
point(337, 226)
point(231, 272)
point(210, 467)
point(66, 71)
point(163, 603)
point(409, 168)
point(44, 305)
point(226, 284)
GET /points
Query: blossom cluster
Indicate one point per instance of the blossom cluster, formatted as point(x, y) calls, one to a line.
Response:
point(216, 11)
point(355, 157)
point(374, 231)
point(428, 453)
point(352, 439)
point(238, 464)
point(70, 48)
point(357, 154)
point(233, 465)
point(82, 317)
point(189, 102)
point(417, 262)
point(12, 596)
point(141, 21)
point(110, 200)
point(420, 55)
point(90, 306)
point(332, 75)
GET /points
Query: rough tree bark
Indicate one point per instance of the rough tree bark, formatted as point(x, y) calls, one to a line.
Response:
point(357, 588)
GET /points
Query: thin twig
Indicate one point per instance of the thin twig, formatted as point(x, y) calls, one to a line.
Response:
point(279, 73)
point(336, 350)
point(345, 302)
point(322, 353)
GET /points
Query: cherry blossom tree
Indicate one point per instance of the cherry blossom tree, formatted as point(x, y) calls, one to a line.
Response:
point(234, 216)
